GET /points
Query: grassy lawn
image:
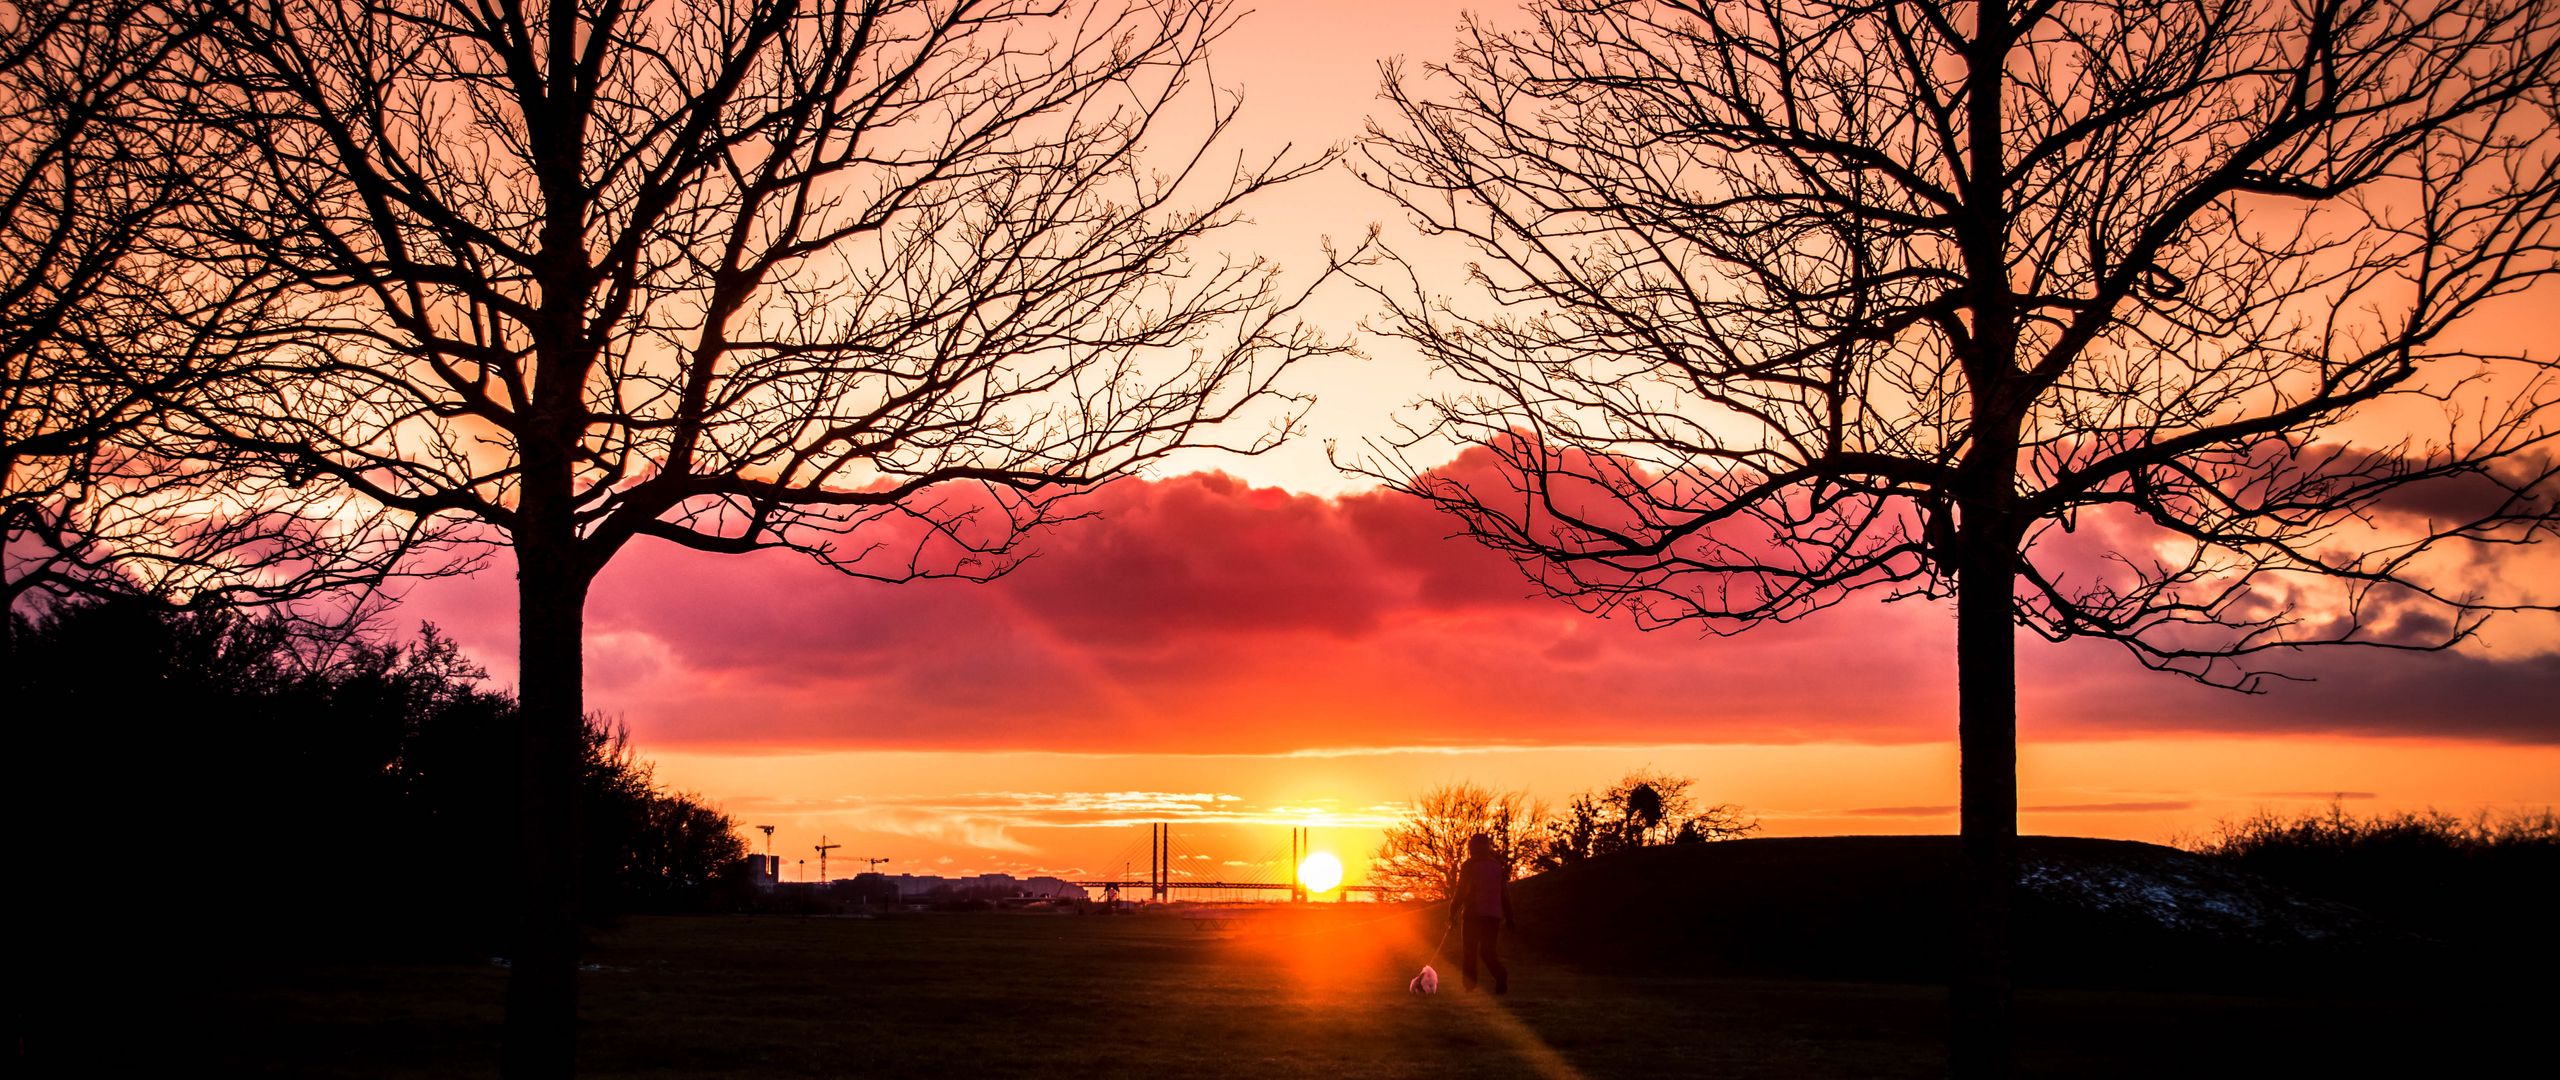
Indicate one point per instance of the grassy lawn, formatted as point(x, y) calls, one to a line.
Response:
point(1315, 993)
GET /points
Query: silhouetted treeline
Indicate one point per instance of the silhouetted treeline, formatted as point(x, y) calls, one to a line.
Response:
point(1644, 809)
point(1419, 856)
point(2490, 880)
point(286, 793)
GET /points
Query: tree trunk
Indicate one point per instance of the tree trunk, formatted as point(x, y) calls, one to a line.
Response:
point(1985, 564)
point(542, 986)
point(1987, 739)
point(552, 574)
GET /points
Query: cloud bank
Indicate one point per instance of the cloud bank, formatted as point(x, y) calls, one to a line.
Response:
point(1198, 614)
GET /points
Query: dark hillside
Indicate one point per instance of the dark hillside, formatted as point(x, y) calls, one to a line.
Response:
point(2090, 912)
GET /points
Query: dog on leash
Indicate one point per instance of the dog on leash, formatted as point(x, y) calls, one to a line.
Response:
point(1426, 983)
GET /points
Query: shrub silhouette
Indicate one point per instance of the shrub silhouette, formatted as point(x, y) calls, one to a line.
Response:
point(2486, 880)
point(313, 797)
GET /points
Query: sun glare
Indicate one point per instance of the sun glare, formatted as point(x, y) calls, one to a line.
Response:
point(1321, 872)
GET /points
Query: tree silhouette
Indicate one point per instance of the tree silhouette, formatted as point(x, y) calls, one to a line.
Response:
point(885, 282)
point(382, 763)
point(98, 499)
point(656, 850)
point(2129, 320)
point(1643, 809)
point(1418, 858)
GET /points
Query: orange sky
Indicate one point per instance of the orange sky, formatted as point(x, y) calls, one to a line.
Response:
point(1238, 658)
point(1273, 643)
point(1075, 814)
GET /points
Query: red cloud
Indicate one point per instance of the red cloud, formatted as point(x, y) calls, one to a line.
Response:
point(1198, 614)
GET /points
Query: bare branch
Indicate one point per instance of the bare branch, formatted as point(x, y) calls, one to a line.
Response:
point(1760, 333)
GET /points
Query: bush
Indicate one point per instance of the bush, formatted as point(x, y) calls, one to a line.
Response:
point(307, 797)
point(2489, 879)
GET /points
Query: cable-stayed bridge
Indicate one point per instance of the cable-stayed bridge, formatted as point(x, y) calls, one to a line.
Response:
point(1167, 874)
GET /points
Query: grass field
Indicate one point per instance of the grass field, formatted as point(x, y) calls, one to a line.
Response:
point(1279, 993)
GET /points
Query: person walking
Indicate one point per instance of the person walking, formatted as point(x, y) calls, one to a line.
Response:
point(1481, 908)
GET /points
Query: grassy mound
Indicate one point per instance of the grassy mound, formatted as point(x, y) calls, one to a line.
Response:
point(2090, 912)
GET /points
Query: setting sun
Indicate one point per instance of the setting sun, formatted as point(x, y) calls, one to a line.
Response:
point(1321, 872)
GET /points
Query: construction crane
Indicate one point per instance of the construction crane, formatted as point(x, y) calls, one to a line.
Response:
point(823, 848)
point(768, 840)
point(869, 864)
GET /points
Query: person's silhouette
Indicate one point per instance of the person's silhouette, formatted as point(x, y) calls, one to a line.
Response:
point(1481, 907)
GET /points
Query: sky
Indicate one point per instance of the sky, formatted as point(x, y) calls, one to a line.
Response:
point(1239, 645)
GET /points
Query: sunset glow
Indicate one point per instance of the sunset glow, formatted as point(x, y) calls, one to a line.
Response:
point(1240, 645)
point(1542, 538)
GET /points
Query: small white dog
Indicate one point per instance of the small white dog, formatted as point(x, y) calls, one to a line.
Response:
point(1426, 983)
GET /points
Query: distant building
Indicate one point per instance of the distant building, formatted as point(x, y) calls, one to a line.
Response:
point(928, 887)
point(1053, 888)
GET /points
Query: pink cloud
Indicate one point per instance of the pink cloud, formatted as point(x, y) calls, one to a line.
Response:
point(1199, 614)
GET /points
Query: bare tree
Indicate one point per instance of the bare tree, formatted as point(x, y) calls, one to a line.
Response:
point(97, 499)
point(886, 282)
point(1643, 809)
point(1722, 821)
point(1646, 808)
point(2133, 320)
point(1419, 857)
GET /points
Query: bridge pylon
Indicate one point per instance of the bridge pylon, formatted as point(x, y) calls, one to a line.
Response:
point(1159, 861)
point(1300, 845)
